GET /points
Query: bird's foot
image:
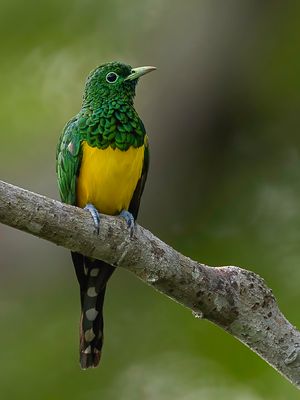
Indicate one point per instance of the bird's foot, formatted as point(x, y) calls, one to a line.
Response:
point(95, 215)
point(129, 220)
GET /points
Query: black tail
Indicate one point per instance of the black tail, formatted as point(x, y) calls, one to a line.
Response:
point(92, 276)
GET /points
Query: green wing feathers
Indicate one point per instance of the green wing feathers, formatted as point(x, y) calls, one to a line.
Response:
point(68, 158)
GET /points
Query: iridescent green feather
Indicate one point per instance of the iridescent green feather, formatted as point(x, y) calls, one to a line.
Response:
point(68, 158)
point(115, 124)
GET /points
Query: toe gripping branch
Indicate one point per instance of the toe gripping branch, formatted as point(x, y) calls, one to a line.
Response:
point(95, 215)
point(129, 220)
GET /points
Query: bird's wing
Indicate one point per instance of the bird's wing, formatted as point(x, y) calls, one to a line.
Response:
point(68, 159)
point(136, 198)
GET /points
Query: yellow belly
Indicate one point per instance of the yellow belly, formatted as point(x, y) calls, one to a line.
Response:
point(108, 178)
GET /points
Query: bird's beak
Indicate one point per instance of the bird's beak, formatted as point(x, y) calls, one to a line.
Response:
point(138, 72)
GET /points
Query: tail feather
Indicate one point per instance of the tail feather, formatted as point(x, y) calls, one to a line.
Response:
point(92, 276)
point(91, 330)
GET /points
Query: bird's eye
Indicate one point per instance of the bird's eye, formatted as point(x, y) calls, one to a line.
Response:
point(111, 77)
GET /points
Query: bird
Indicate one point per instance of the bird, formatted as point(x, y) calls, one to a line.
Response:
point(102, 162)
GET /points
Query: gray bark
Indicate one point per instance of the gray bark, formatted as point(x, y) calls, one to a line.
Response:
point(235, 299)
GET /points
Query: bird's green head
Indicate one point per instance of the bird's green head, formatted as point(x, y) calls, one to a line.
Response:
point(112, 81)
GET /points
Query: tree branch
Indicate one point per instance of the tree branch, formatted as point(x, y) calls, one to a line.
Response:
point(235, 299)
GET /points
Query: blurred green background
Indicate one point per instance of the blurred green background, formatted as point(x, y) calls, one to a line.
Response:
point(222, 112)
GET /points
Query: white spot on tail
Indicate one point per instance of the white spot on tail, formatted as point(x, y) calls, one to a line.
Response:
point(89, 335)
point(91, 314)
point(88, 350)
point(91, 292)
point(94, 272)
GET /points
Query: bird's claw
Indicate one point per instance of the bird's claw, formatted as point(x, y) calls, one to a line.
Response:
point(129, 220)
point(95, 215)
